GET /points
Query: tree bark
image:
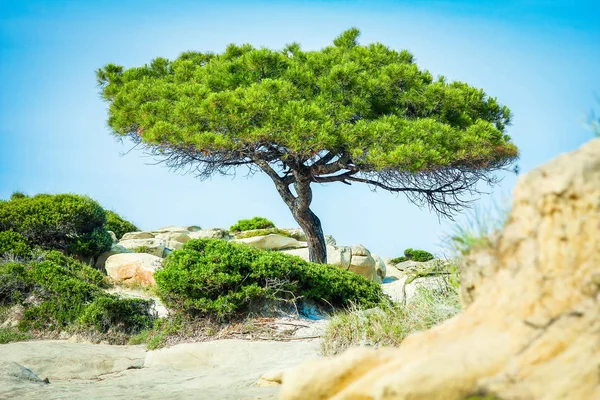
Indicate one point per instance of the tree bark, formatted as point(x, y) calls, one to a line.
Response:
point(299, 205)
point(311, 225)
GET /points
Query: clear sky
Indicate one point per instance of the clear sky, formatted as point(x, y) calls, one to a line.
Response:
point(541, 58)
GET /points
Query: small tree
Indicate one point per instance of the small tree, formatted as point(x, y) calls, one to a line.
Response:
point(347, 113)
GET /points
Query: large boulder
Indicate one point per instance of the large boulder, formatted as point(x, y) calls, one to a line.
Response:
point(156, 247)
point(174, 228)
point(214, 233)
point(114, 249)
point(362, 263)
point(336, 255)
point(380, 268)
point(137, 235)
point(272, 242)
point(532, 330)
point(132, 268)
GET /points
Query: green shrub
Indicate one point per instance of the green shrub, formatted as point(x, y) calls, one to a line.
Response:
point(17, 195)
point(414, 255)
point(214, 277)
point(142, 249)
point(121, 314)
point(13, 243)
point(63, 293)
point(8, 335)
point(120, 226)
point(264, 232)
point(65, 221)
point(250, 224)
point(15, 283)
point(80, 270)
point(418, 255)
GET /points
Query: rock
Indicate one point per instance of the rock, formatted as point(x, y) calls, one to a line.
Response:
point(272, 242)
point(336, 255)
point(176, 236)
point(114, 249)
point(476, 268)
point(173, 228)
point(137, 235)
point(113, 236)
point(214, 233)
point(10, 370)
point(13, 316)
point(359, 250)
point(380, 269)
point(296, 233)
point(156, 247)
point(133, 267)
point(330, 240)
point(532, 330)
point(362, 263)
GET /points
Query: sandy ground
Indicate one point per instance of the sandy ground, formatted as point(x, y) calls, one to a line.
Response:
point(224, 369)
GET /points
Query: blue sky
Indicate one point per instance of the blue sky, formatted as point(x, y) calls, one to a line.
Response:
point(540, 58)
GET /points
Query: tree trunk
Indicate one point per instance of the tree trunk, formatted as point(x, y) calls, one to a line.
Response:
point(299, 205)
point(311, 225)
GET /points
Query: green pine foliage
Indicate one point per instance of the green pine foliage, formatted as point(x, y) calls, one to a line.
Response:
point(118, 225)
point(219, 278)
point(250, 224)
point(369, 102)
point(68, 222)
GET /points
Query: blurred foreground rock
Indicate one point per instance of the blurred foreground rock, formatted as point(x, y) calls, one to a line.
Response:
point(532, 330)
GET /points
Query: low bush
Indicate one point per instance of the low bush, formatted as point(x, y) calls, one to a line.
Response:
point(60, 293)
point(8, 335)
point(214, 277)
point(390, 324)
point(66, 222)
point(15, 244)
point(414, 255)
point(118, 225)
point(250, 224)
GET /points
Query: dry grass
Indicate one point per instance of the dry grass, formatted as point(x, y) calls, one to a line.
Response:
point(388, 325)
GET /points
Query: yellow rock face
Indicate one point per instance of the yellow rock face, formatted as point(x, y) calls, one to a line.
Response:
point(533, 329)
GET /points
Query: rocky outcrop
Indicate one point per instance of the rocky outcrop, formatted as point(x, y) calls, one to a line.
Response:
point(532, 330)
point(114, 249)
point(133, 268)
point(214, 233)
point(350, 258)
point(137, 235)
point(380, 268)
point(156, 247)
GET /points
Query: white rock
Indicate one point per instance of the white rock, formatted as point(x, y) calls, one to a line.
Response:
point(113, 236)
point(272, 242)
point(156, 247)
point(380, 267)
point(133, 267)
point(214, 233)
point(336, 255)
point(174, 228)
point(137, 235)
point(175, 236)
point(114, 249)
point(360, 250)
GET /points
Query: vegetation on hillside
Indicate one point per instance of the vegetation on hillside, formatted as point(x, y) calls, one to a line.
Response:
point(219, 278)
